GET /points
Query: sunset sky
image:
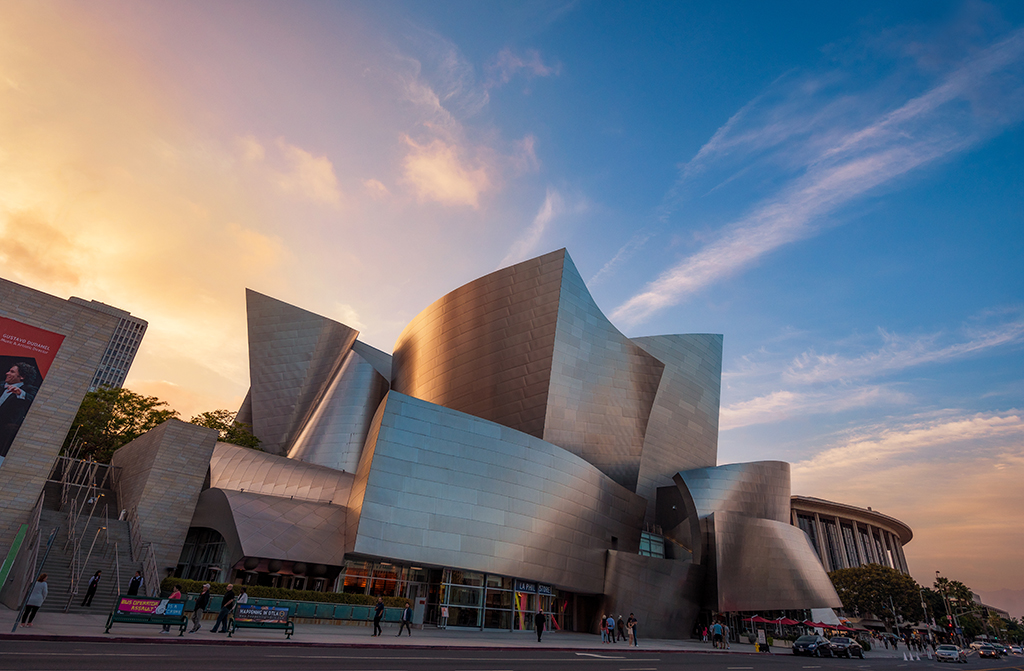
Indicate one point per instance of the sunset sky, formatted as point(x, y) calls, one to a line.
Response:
point(836, 188)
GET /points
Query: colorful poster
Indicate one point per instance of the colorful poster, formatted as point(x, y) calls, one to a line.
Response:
point(144, 606)
point(26, 354)
point(263, 614)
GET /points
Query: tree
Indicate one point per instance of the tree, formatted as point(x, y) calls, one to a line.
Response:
point(109, 418)
point(231, 430)
point(877, 589)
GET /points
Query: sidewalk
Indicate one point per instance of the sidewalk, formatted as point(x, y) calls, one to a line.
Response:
point(80, 627)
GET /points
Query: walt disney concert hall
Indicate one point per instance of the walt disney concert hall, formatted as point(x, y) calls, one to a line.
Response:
point(514, 452)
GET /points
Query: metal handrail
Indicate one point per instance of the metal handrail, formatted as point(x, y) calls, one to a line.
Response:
point(117, 572)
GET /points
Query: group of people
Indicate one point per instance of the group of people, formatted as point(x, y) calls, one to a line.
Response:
point(40, 590)
point(613, 631)
point(227, 607)
point(719, 633)
point(378, 615)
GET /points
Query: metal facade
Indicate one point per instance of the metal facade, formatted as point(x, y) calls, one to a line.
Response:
point(445, 488)
point(515, 431)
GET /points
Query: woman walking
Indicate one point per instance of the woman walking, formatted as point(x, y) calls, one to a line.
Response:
point(35, 600)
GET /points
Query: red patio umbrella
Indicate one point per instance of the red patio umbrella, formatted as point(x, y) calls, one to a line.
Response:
point(788, 622)
point(758, 618)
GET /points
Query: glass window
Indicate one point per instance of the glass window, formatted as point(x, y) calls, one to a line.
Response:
point(499, 582)
point(652, 545)
point(456, 577)
point(806, 523)
point(851, 546)
point(464, 596)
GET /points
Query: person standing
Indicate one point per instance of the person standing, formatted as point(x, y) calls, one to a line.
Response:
point(202, 602)
point(406, 619)
point(620, 629)
point(176, 594)
point(539, 620)
point(90, 591)
point(716, 634)
point(611, 628)
point(725, 635)
point(35, 600)
point(604, 628)
point(631, 623)
point(227, 605)
point(135, 584)
point(378, 615)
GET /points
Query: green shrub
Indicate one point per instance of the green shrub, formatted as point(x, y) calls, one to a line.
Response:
point(260, 592)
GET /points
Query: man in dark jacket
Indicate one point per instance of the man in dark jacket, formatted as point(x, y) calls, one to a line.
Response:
point(227, 606)
point(90, 591)
point(378, 615)
point(202, 602)
point(539, 620)
point(135, 584)
point(406, 619)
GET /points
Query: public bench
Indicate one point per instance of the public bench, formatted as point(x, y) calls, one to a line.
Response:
point(254, 616)
point(144, 610)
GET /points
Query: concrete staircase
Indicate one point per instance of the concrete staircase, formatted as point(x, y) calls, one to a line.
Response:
point(58, 568)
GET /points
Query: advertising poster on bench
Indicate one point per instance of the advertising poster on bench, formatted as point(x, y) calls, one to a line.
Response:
point(135, 605)
point(26, 354)
point(261, 614)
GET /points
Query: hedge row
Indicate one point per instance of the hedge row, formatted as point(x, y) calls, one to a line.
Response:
point(260, 592)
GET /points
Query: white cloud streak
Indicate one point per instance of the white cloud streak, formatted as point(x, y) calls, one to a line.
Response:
point(782, 405)
point(552, 206)
point(976, 100)
point(897, 354)
point(995, 436)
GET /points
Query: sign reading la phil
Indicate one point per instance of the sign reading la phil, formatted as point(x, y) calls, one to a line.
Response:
point(26, 354)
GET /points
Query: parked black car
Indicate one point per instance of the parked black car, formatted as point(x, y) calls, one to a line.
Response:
point(844, 646)
point(816, 646)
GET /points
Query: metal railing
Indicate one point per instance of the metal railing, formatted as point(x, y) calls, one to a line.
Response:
point(142, 552)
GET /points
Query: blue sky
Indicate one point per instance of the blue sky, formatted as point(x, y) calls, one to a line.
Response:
point(836, 189)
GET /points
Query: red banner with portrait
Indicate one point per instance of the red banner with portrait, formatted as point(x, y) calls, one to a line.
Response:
point(26, 354)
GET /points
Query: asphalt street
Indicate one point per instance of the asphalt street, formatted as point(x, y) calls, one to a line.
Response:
point(29, 655)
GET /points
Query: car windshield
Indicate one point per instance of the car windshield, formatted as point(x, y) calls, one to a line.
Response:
point(807, 639)
point(947, 647)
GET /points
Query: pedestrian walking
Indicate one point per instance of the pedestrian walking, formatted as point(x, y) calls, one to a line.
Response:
point(704, 635)
point(35, 600)
point(725, 636)
point(202, 602)
point(604, 628)
point(406, 619)
point(90, 591)
point(716, 634)
point(378, 615)
point(135, 584)
point(632, 628)
point(175, 594)
point(620, 629)
point(611, 629)
point(539, 620)
point(227, 605)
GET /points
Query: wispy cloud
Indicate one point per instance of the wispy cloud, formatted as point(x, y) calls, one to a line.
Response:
point(835, 157)
point(775, 389)
point(899, 353)
point(779, 406)
point(439, 172)
point(994, 436)
point(552, 206)
point(508, 64)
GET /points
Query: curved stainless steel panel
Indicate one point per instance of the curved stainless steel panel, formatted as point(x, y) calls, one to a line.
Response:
point(663, 594)
point(336, 431)
point(602, 386)
point(274, 527)
point(766, 565)
point(442, 487)
point(242, 469)
point(293, 354)
point(682, 432)
point(528, 348)
point(756, 489)
point(486, 347)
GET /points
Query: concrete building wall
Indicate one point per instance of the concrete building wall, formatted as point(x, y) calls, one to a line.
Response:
point(31, 456)
point(161, 475)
